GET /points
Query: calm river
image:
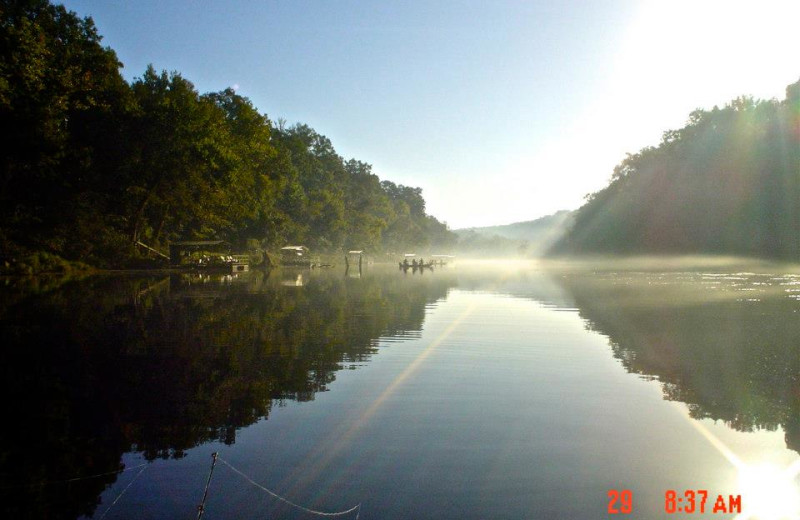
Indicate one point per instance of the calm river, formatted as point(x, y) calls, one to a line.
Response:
point(474, 391)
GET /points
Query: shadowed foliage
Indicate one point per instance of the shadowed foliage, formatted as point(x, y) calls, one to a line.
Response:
point(726, 183)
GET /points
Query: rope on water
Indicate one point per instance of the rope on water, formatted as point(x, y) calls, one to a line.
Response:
point(144, 467)
point(275, 495)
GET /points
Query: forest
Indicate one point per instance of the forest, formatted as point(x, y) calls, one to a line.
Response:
point(92, 164)
point(726, 183)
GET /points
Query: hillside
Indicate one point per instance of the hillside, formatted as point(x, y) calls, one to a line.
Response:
point(726, 183)
point(532, 237)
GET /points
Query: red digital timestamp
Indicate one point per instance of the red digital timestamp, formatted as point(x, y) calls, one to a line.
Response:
point(695, 500)
point(689, 502)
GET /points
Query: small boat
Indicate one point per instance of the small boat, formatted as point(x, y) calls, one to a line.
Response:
point(413, 266)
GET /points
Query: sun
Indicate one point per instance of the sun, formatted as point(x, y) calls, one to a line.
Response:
point(769, 493)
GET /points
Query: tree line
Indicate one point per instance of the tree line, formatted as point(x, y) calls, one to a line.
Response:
point(92, 164)
point(726, 183)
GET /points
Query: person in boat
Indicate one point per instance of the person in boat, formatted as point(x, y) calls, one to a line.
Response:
point(421, 262)
point(405, 262)
point(414, 263)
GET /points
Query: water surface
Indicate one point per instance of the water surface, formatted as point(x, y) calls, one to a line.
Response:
point(472, 391)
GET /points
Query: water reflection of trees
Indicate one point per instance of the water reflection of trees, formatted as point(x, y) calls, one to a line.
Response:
point(727, 347)
point(158, 365)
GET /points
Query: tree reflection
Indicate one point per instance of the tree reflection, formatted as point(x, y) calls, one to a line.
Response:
point(157, 365)
point(727, 346)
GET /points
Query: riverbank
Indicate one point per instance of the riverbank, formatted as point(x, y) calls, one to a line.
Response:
point(22, 262)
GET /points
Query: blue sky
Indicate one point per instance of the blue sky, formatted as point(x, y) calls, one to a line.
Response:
point(502, 111)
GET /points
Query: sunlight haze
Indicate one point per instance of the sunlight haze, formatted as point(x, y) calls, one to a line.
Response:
point(500, 111)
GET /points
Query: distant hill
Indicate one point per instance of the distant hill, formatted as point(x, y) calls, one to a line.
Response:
point(726, 183)
point(532, 237)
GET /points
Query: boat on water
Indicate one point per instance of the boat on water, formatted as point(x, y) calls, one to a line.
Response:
point(406, 267)
point(410, 262)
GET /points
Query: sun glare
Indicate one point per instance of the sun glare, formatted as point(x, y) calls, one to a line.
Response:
point(768, 493)
point(712, 48)
point(682, 55)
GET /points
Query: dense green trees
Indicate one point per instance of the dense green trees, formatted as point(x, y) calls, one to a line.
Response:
point(92, 165)
point(60, 95)
point(727, 183)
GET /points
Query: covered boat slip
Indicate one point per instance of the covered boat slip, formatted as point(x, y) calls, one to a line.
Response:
point(207, 254)
point(297, 256)
point(355, 257)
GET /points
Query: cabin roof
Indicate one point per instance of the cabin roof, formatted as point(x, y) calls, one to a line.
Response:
point(354, 252)
point(294, 248)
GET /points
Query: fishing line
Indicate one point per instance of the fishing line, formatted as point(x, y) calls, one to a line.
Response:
point(289, 502)
point(144, 467)
point(76, 479)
